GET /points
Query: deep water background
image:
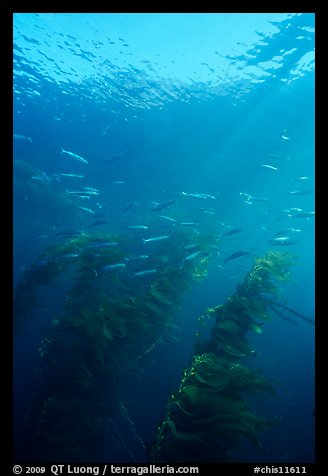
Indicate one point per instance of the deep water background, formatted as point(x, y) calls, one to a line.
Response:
point(188, 123)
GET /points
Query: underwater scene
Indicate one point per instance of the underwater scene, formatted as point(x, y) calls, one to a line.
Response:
point(164, 238)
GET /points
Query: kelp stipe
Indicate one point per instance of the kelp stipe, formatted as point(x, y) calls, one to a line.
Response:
point(208, 414)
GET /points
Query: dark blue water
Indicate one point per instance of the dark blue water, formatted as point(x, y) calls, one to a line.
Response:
point(159, 105)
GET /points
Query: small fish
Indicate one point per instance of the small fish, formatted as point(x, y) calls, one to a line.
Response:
point(102, 244)
point(300, 192)
point(258, 199)
point(208, 211)
point(192, 255)
point(289, 211)
point(167, 218)
point(97, 223)
point(162, 205)
point(82, 193)
point(128, 207)
point(109, 267)
point(73, 155)
point(119, 182)
point(283, 135)
point(301, 179)
point(146, 272)
point(224, 225)
point(21, 137)
point(232, 232)
point(21, 195)
point(137, 227)
point(245, 195)
point(65, 256)
point(134, 258)
point(117, 156)
point(93, 190)
point(303, 215)
point(99, 205)
point(43, 177)
point(77, 193)
point(72, 175)
point(155, 238)
point(280, 239)
point(283, 243)
point(188, 223)
point(39, 178)
point(106, 129)
point(70, 234)
point(237, 254)
point(288, 230)
point(86, 209)
point(202, 196)
point(267, 166)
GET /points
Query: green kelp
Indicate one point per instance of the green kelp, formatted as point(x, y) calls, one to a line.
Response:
point(208, 415)
point(112, 319)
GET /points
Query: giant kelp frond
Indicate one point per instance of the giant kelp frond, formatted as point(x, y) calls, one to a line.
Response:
point(269, 270)
point(209, 410)
point(110, 320)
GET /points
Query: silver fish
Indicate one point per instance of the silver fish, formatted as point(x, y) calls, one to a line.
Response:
point(21, 137)
point(160, 206)
point(300, 192)
point(109, 267)
point(192, 255)
point(188, 223)
point(232, 232)
point(72, 175)
point(289, 211)
point(83, 193)
point(155, 238)
point(167, 218)
point(202, 196)
point(288, 230)
point(281, 239)
point(238, 254)
point(138, 227)
point(66, 256)
point(146, 272)
point(283, 135)
point(95, 191)
point(267, 166)
point(301, 179)
point(73, 155)
point(86, 210)
point(119, 155)
point(135, 258)
point(283, 243)
point(102, 244)
point(303, 215)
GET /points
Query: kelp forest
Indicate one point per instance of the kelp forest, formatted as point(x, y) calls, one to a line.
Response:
point(119, 303)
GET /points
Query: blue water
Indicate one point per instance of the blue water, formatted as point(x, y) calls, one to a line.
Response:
point(194, 103)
